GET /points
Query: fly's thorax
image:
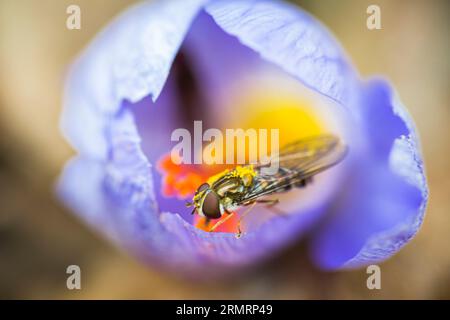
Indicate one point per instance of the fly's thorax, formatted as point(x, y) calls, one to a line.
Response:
point(246, 174)
point(229, 204)
point(228, 185)
point(235, 181)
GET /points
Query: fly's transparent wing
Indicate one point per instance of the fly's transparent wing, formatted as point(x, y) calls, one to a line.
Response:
point(296, 162)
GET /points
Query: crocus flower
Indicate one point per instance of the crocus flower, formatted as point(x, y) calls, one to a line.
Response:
point(262, 64)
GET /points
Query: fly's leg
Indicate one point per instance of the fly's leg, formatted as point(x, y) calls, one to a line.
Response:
point(218, 223)
point(239, 232)
point(271, 202)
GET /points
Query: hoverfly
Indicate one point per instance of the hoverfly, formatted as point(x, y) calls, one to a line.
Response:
point(247, 185)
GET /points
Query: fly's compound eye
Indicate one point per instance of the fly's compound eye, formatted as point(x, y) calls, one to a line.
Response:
point(211, 206)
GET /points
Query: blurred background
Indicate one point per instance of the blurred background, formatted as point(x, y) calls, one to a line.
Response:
point(39, 238)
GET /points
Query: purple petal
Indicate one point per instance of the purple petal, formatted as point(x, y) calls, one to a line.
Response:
point(290, 38)
point(383, 204)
